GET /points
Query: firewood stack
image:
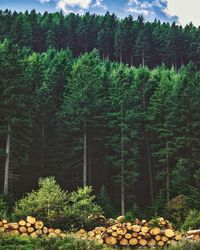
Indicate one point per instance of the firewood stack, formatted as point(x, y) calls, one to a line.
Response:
point(29, 228)
point(140, 233)
point(194, 234)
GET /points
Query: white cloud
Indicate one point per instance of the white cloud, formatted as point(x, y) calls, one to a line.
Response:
point(77, 6)
point(186, 10)
point(66, 5)
point(139, 12)
point(44, 1)
point(145, 8)
point(100, 4)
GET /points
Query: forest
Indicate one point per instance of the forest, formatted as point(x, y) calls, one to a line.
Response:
point(103, 102)
point(134, 42)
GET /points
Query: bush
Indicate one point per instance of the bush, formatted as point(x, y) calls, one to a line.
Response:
point(69, 243)
point(47, 203)
point(72, 243)
point(3, 208)
point(104, 201)
point(185, 246)
point(192, 220)
point(56, 207)
point(177, 209)
point(81, 207)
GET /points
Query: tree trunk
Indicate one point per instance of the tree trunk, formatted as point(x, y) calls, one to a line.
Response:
point(131, 60)
point(89, 166)
point(149, 167)
point(122, 165)
point(85, 155)
point(143, 61)
point(167, 171)
point(120, 54)
point(42, 147)
point(7, 162)
point(148, 152)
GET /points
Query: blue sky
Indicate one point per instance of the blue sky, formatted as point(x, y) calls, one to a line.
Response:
point(181, 11)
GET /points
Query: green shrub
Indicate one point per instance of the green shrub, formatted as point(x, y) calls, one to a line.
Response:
point(3, 208)
point(56, 207)
point(69, 243)
point(192, 220)
point(177, 210)
point(81, 207)
point(104, 201)
point(72, 243)
point(47, 203)
point(187, 245)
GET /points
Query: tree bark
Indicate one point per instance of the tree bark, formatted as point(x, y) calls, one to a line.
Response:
point(167, 171)
point(42, 147)
point(122, 166)
point(131, 60)
point(143, 61)
point(7, 162)
point(85, 155)
point(149, 167)
point(89, 166)
point(120, 54)
point(148, 152)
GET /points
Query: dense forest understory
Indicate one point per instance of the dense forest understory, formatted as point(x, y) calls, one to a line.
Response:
point(69, 111)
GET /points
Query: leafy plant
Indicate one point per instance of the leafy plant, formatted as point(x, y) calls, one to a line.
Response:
point(56, 207)
point(69, 243)
point(104, 201)
point(3, 208)
point(81, 206)
point(47, 203)
point(192, 220)
point(177, 209)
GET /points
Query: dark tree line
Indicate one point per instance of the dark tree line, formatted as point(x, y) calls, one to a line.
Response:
point(95, 122)
point(133, 42)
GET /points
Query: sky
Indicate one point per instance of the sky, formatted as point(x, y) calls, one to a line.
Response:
point(181, 11)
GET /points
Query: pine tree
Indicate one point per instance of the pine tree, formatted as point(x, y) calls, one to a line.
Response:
point(122, 156)
point(15, 100)
point(79, 107)
point(162, 145)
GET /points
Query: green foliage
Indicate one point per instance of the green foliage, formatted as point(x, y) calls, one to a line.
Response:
point(69, 243)
point(81, 206)
point(56, 207)
point(3, 208)
point(134, 213)
point(104, 201)
point(127, 40)
point(177, 209)
point(185, 246)
point(141, 127)
point(194, 194)
point(72, 243)
point(192, 220)
point(47, 203)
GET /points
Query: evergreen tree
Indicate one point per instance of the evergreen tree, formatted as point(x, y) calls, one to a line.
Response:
point(122, 156)
point(79, 107)
point(15, 106)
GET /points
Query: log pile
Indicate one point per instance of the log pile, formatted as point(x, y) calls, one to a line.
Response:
point(29, 228)
point(140, 233)
point(194, 234)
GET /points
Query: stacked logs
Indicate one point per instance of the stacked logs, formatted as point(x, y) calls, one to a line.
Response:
point(194, 234)
point(140, 233)
point(29, 228)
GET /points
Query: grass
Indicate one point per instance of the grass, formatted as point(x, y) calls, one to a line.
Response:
point(70, 243)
